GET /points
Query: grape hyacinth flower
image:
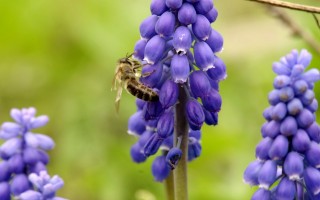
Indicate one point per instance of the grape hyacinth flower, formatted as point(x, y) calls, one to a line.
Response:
point(24, 158)
point(178, 46)
point(288, 156)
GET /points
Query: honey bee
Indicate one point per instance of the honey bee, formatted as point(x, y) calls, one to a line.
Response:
point(126, 75)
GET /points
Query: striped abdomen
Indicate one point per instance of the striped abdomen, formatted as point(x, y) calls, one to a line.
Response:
point(141, 91)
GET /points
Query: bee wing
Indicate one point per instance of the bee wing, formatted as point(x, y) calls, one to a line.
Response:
point(117, 101)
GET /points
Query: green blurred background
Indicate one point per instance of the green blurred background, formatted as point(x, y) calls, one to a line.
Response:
point(59, 56)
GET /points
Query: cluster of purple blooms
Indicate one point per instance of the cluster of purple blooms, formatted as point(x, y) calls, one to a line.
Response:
point(177, 49)
point(288, 157)
point(23, 173)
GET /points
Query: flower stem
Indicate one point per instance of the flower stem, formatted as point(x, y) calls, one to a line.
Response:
point(181, 130)
point(169, 186)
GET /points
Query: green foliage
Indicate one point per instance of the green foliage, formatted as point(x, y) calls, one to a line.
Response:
point(59, 56)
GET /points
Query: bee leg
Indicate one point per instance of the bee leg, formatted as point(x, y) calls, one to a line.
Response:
point(148, 73)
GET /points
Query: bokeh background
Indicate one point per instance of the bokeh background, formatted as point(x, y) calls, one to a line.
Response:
point(59, 56)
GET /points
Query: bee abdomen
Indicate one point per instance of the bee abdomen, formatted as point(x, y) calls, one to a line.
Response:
point(141, 91)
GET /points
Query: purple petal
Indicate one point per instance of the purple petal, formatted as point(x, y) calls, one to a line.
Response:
point(165, 24)
point(204, 56)
point(187, 14)
point(201, 28)
point(157, 7)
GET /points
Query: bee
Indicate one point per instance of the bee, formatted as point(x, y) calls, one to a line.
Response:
point(126, 75)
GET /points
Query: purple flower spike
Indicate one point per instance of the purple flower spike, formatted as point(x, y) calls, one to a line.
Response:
point(267, 174)
point(173, 157)
point(165, 25)
point(187, 14)
point(286, 189)
point(160, 168)
point(5, 191)
point(165, 125)
point(195, 114)
point(147, 27)
point(180, 68)
point(261, 194)
point(215, 41)
point(203, 56)
point(312, 180)
point(199, 83)
point(279, 148)
point(154, 49)
point(212, 15)
point(168, 94)
point(301, 141)
point(182, 40)
point(139, 49)
point(201, 28)
point(291, 123)
point(157, 7)
point(251, 173)
point(174, 4)
point(293, 166)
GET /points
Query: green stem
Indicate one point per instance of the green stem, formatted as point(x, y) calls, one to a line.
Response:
point(169, 186)
point(181, 130)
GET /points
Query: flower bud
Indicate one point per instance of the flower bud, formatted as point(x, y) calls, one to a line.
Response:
point(152, 146)
point(157, 7)
point(168, 94)
point(10, 147)
point(211, 118)
point(11, 128)
point(294, 106)
point(297, 70)
point(137, 154)
point(136, 124)
point(160, 168)
point(154, 49)
point(262, 194)
point(313, 75)
point(279, 111)
point(313, 107)
point(250, 175)
point(19, 184)
point(195, 134)
point(187, 14)
point(195, 114)
point(5, 172)
point(173, 157)
point(305, 118)
point(314, 132)
point(286, 94)
point(281, 69)
point(304, 58)
point(151, 74)
point(203, 6)
point(147, 27)
point(174, 4)
point(219, 70)
point(279, 148)
point(165, 125)
point(203, 55)
point(300, 86)
point(201, 28)
point(262, 148)
point(268, 174)
point(307, 97)
point(180, 68)
point(212, 101)
point(288, 126)
point(215, 41)
point(182, 40)
point(266, 113)
point(167, 143)
point(301, 141)
point(271, 129)
point(165, 24)
point(212, 15)
point(313, 155)
point(31, 194)
point(139, 49)
point(5, 191)
point(153, 110)
point(273, 97)
point(38, 121)
point(194, 149)
point(293, 166)
point(312, 180)
point(286, 189)
point(31, 155)
point(16, 164)
point(199, 83)
point(281, 81)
